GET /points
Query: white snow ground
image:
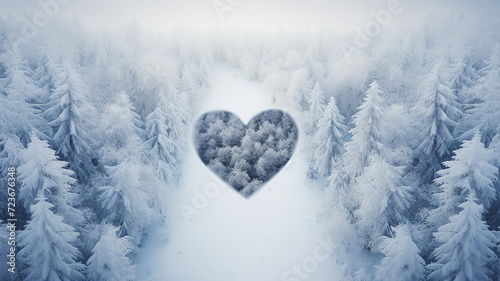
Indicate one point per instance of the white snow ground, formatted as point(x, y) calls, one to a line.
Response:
point(231, 238)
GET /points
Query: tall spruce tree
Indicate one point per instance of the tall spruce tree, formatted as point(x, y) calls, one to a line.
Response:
point(384, 198)
point(484, 115)
point(19, 97)
point(109, 261)
point(402, 260)
point(367, 133)
point(68, 114)
point(41, 173)
point(161, 145)
point(470, 170)
point(47, 246)
point(316, 109)
point(331, 130)
point(300, 88)
point(123, 131)
point(125, 204)
point(440, 110)
point(466, 246)
point(463, 74)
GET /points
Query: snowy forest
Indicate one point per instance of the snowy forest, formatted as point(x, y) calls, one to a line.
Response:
point(398, 141)
point(245, 156)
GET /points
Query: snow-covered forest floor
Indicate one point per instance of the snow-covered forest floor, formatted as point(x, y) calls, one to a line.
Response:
point(229, 237)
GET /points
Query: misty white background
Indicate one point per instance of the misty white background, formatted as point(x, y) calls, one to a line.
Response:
point(342, 15)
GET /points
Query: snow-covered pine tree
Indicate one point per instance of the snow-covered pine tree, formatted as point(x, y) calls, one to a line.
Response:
point(331, 130)
point(104, 74)
point(125, 204)
point(384, 199)
point(402, 259)
point(494, 150)
point(312, 118)
point(238, 178)
point(406, 52)
point(47, 246)
point(204, 64)
point(470, 170)
point(17, 81)
point(316, 109)
point(68, 114)
point(161, 145)
point(42, 173)
point(18, 95)
point(123, 131)
point(46, 73)
point(180, 119)
point(463, 74)
point(484, 116)
point(187, 73)
point(466, 242)
point(299, 89)
point(109, 261)
point(367, 133)
point(440, 110)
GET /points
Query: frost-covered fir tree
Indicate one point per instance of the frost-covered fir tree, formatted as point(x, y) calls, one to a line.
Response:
point(16, 80)
point(331, 130)
point(105, 74)
point(367, 133)
point(316, 109)
point(463, 74)
point(439, 107)
point(180, 119)
point(187, 74)
point(109, 261)
point(122, 130)
point(384, 199)
point(41, 173)
point(204, 64)
point(161, 145)
point(402, 260)
point(176, 109)
point(466, 251)
point(47, 246)
point(495, 149)
point(123, 201)
point(484, 116)
point(121, 121)
point(406, 52)
point(68, 114)
point(18, 95)
point(46, 73)
point(470, 170)
point(299, 89)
